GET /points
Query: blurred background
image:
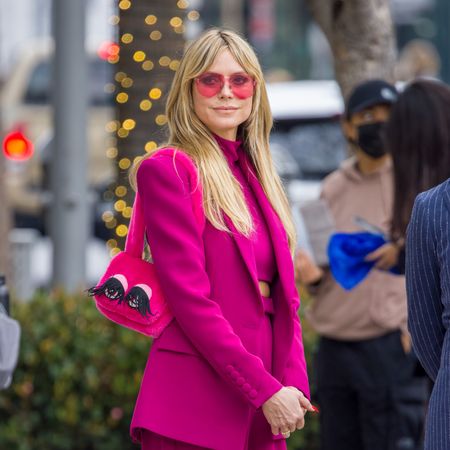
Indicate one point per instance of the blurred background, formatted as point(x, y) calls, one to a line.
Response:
point(82, 92)
point(299, 66)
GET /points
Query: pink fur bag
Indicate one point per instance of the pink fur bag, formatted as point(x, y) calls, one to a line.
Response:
point(129, 293)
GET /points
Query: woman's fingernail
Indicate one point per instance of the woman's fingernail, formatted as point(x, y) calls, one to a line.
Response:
point(315, 409)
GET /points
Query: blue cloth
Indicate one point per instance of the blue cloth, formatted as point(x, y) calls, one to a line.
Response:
point(346, 253)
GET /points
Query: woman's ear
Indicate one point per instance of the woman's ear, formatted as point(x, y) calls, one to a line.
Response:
point(349, 130)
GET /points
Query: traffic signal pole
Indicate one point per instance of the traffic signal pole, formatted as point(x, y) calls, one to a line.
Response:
point(5, 213)
point(69, 210)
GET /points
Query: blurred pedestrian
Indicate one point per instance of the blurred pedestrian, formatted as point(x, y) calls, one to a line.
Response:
point(418, 135)
point(364, 363)
point(229, 371)
point(418, 58)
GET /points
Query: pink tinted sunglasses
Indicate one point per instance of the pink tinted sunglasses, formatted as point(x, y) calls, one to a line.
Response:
point(209, 84)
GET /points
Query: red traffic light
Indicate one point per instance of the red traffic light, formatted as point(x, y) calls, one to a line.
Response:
point(108, 50)
point(17, 147)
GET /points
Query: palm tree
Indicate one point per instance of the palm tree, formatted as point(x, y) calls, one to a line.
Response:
point(151, 39)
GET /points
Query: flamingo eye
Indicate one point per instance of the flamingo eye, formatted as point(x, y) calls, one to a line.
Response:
point(113, 293)
point(112, 288)
point(139, 298)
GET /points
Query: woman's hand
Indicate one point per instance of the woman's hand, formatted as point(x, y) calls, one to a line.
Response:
point(306, 270)
point(284, 411)
point(304, 402)
point(406, 341)
point(385, 257)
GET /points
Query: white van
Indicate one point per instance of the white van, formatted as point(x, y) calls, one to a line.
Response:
point(307, 142)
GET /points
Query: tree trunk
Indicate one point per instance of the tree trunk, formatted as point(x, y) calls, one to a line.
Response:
point(361, 37)
point(151, 37)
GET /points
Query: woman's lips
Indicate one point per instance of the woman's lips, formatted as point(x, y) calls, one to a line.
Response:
point(225, 108)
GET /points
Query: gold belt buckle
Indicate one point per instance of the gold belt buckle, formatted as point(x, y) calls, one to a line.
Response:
point(264, 288)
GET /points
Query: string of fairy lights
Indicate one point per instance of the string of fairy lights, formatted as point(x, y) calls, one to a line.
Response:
point(156, 28)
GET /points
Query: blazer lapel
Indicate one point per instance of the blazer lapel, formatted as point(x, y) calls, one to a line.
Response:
point(283, 288)
point(278, 236)
point(246, 250)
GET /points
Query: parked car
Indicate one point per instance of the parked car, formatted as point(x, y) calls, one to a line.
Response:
point(25, 103)
point(307, 142)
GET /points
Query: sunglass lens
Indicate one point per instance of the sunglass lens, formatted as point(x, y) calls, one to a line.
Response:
point(209, 84)
point(242, 85)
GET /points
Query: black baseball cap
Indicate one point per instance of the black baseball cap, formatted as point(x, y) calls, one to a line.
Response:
point(370, 93)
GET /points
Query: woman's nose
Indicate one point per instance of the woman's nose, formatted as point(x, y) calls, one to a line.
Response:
point(226, 90)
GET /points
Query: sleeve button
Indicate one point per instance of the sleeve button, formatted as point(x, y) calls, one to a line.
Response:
point(240, 381)
point(229, 368)
point(252, 394)
point(246, 387)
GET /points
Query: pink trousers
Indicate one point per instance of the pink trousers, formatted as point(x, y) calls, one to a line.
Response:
point(259, 434)
point(260, 438)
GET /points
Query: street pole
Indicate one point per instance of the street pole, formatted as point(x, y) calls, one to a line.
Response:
point(5, 213)
point(232, 15)
point(69, 213)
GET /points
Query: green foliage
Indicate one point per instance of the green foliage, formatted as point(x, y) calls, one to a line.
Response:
point(78, 378)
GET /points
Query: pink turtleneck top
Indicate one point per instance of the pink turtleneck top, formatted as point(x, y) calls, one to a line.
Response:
point(260, 239)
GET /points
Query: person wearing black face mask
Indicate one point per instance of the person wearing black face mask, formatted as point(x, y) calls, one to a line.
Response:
point(370, 139)
point(364, 367)
point(366, 114)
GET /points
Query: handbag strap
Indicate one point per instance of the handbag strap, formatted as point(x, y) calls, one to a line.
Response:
point(134, 244)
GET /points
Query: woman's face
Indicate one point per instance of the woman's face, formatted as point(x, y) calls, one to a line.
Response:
point(223, 96)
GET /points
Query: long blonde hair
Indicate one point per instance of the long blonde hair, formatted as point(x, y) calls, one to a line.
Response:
point(221, 191)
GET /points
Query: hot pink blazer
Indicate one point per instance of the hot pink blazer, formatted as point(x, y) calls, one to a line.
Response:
point(203, 377)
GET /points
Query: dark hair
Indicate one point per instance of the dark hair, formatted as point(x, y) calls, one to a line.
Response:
point(417, 135)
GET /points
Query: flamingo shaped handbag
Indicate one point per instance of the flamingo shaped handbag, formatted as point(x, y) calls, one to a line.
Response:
point(129, 293)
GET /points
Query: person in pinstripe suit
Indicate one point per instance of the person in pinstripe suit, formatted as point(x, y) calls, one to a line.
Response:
point(428, 288)
point(418, 137)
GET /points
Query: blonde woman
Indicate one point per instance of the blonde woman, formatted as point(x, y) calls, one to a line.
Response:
point(228, 373)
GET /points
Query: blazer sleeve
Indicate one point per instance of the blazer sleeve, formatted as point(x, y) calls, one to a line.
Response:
point(423, 287)
point(296, 373)
point(177, 249)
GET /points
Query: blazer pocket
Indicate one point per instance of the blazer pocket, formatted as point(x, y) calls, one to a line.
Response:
point(174, 340)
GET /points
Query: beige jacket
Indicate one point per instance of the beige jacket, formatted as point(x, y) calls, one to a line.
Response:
point(378, 304)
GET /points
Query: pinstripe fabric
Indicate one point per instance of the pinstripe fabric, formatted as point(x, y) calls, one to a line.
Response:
point(428, 288)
